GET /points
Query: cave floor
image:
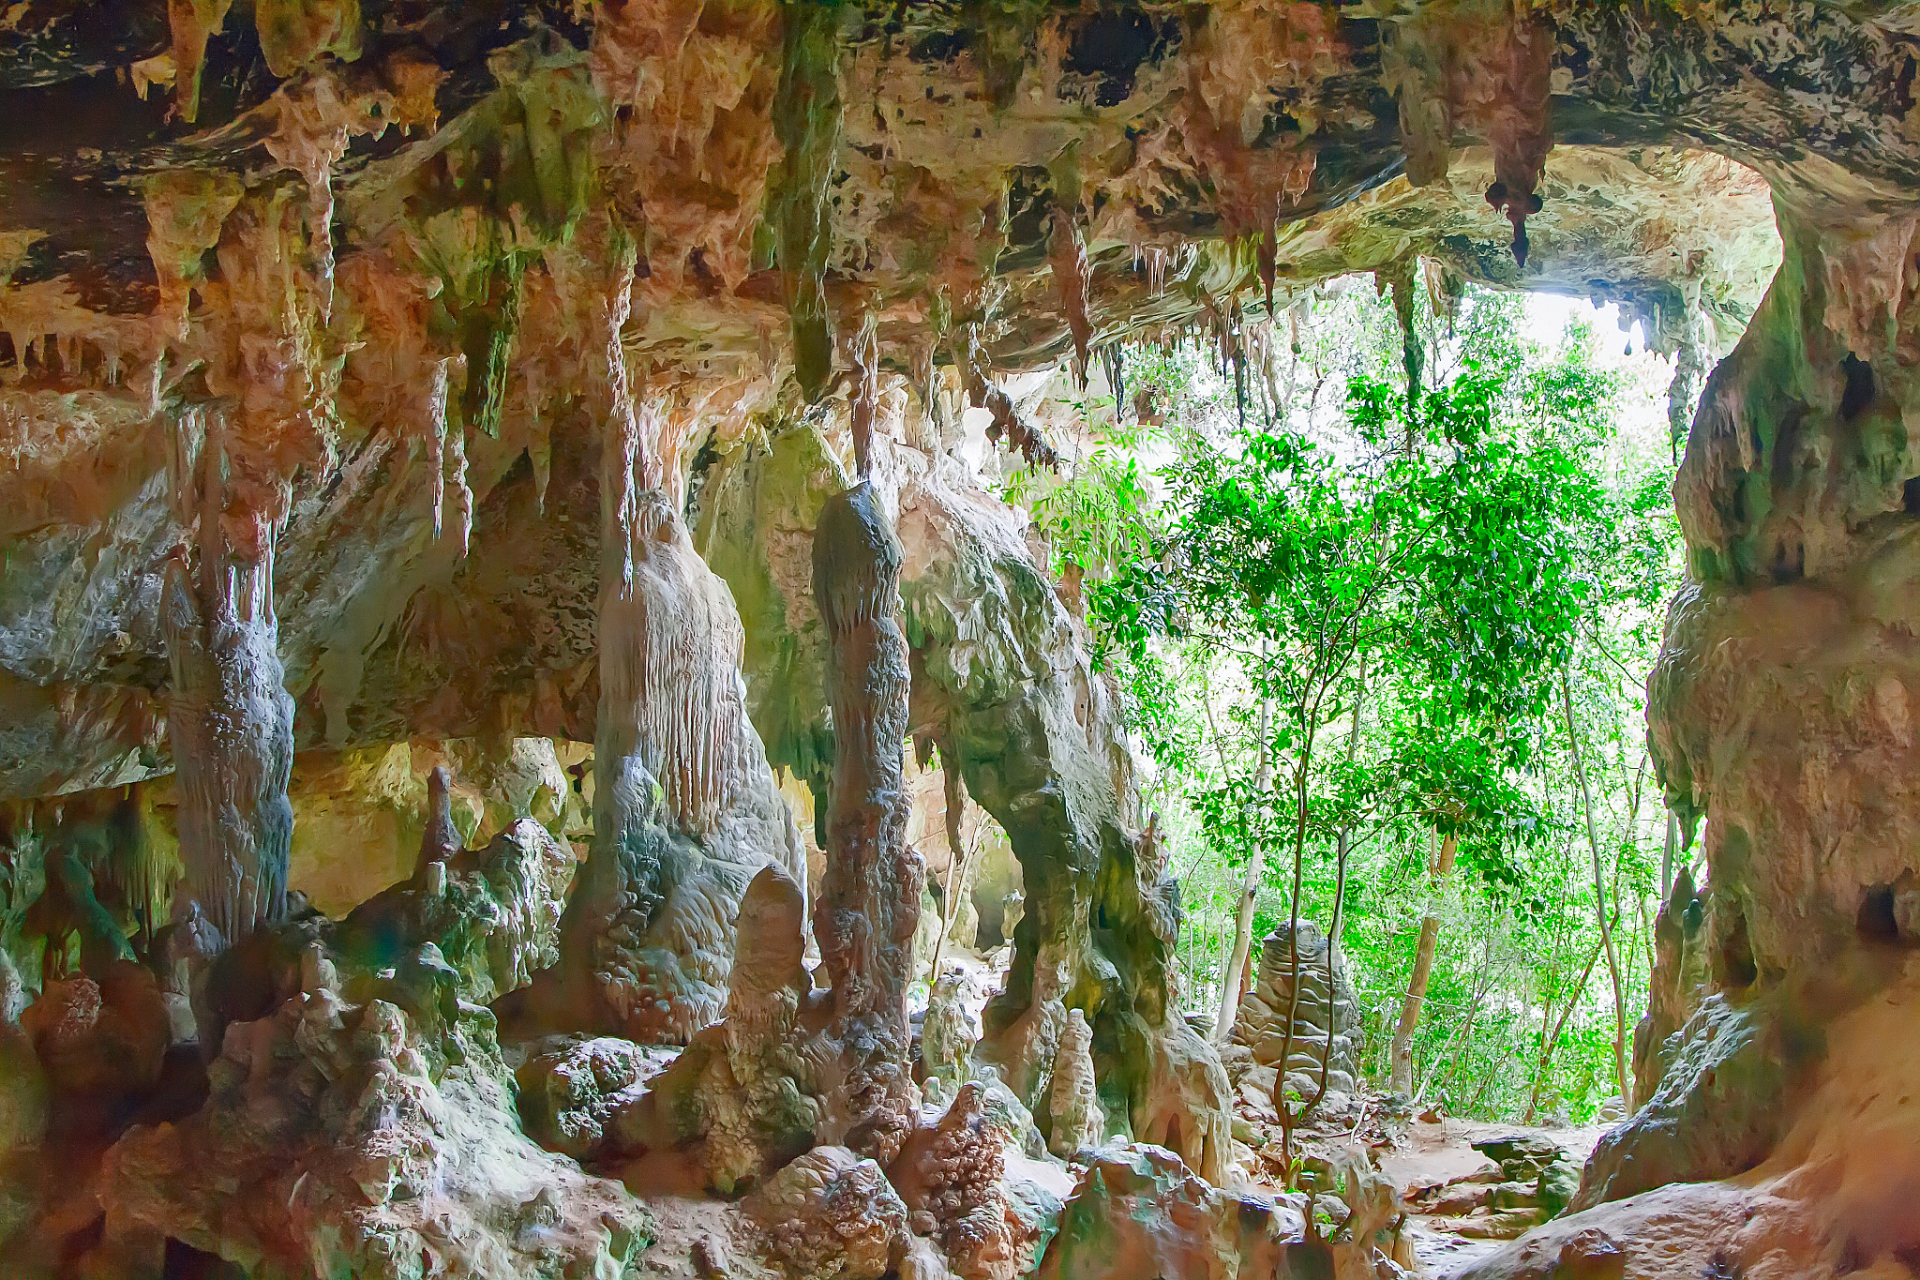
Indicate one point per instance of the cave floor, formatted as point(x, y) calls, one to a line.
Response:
point(1439, 1152)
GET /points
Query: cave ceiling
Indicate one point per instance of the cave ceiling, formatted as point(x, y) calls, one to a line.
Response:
point(386, 242)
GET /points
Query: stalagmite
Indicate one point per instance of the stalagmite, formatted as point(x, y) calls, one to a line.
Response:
point(947, 1036)
point(870, 894)
point(229, 718)
point(1072, 1101)
point(685, 809)
point(1007, 422)
point(441, 839)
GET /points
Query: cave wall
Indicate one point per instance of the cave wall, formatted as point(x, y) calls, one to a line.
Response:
point(431, 373)
point(1779, 717)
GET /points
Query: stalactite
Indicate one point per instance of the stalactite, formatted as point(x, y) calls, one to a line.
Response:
point(1519, 124)
point(1445, 290)
point(436, 414)
point(670, 641)
point(1007, 423)
point(1690, 366)
point(1114, 357)
point(192, 23)
point(229, 718)
point(1073, 277)
point(317, 120)
point(1266, 258)
point(1155, 259)
point(866, 395)
point(807, 120)
point(1397, 278)
point(927, 382)
point(869, 901)
point(456, 482)
point(614, 306)
point(488, 323)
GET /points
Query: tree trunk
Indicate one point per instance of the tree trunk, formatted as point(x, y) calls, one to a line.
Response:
point(1600, 901)
point(1550, 1035)
point(1402, 1077)
point(1232, 986)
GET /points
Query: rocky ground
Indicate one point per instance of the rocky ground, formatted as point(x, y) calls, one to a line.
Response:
point(1433, 1154)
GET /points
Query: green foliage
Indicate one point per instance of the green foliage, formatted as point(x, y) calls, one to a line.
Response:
point(1097, 516)
point(1346, 626)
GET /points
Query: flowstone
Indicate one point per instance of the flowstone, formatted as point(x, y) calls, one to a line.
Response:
point(747, 1094)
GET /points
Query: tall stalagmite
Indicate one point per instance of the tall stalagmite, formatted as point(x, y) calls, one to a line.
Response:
point(685, 809)
point(870, 893)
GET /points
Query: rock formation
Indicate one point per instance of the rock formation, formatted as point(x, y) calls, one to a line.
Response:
point(1680, 975)
point(1324, 1022)
point(831, 1215)
point(870, 896)
point(948, 1033)
point(1072, 1103)
point(433, 377)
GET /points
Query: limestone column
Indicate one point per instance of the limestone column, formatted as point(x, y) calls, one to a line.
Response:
point(870, 894)
point(685, 808)
point(1781, 708)
point(229, 718)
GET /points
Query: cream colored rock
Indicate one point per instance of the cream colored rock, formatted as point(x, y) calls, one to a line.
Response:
point(830, 1215)
point(748, 1091)
point(375, 1135)
point(1138, 1211)
point(1072, 1101)
point(1828, 1198)
point(948, 1032)
point(1325, 1016)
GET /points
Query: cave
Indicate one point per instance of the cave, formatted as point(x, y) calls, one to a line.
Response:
point(512, 647)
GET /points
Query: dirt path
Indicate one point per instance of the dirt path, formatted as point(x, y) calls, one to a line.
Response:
point(1439, 1152)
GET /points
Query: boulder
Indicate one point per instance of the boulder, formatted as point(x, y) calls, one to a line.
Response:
point(830, 1215)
